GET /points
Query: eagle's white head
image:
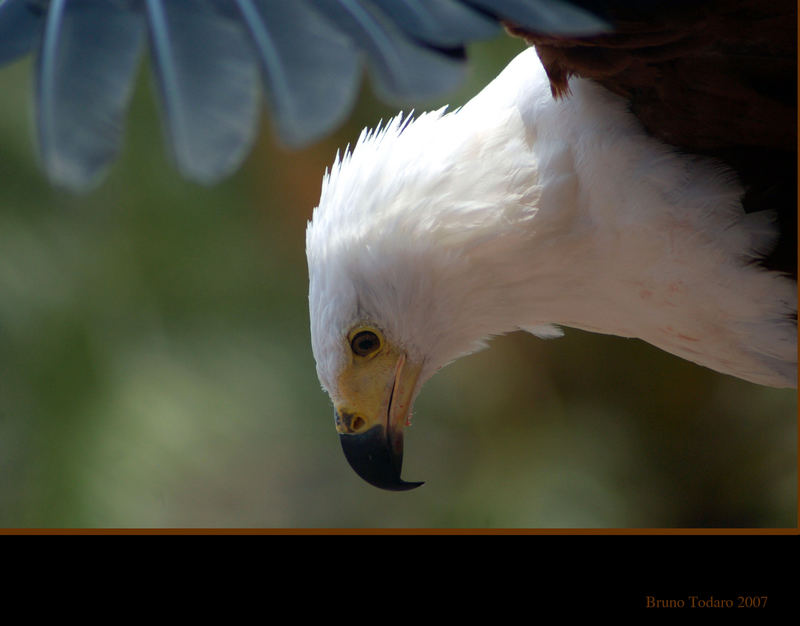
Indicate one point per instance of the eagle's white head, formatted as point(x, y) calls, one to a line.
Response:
point(404, 275)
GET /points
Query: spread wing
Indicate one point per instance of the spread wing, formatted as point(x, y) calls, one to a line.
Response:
point(213, 59)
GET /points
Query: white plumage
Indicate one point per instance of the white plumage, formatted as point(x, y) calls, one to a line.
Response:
point(521, 211)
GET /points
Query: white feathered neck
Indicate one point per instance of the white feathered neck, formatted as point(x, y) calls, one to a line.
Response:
point(518, 211)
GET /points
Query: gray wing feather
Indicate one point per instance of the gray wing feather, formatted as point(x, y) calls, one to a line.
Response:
point(208, 83)
point(82, 96)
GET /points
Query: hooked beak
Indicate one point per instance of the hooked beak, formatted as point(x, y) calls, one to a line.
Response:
point(374, 447)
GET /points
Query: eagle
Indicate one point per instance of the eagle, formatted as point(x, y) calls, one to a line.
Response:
point(632, 183)
point(633, 173)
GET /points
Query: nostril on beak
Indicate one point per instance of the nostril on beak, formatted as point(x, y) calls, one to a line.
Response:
point(349, 423)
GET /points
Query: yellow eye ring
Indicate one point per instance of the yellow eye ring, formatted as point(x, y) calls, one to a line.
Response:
point(365, 341)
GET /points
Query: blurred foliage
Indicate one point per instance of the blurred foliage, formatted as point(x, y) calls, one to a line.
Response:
point(155, 371)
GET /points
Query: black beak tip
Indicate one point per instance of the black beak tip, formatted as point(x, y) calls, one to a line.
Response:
point(370, 455)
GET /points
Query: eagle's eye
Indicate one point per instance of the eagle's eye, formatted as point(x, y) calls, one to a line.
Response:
point(365, 342)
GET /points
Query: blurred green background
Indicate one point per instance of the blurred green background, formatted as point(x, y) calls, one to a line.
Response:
point(156, 371)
